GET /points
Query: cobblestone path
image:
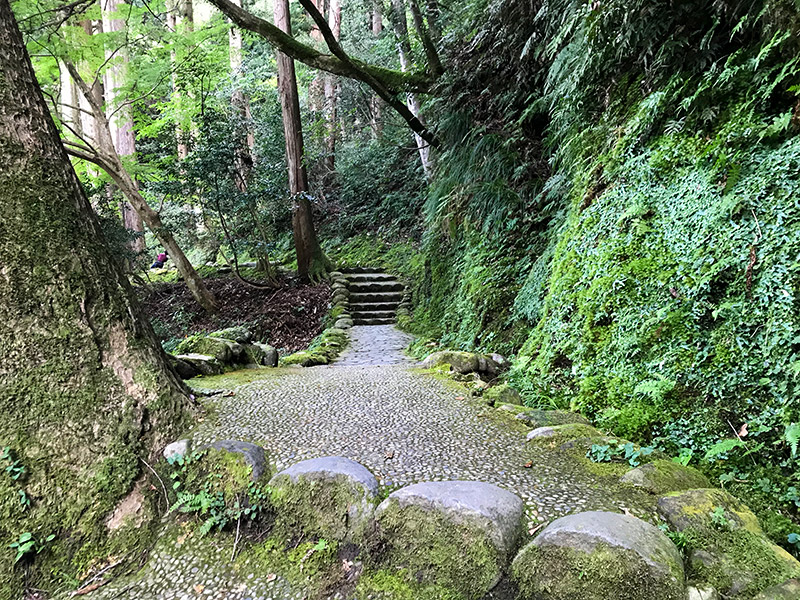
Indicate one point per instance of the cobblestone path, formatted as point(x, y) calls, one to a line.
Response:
point(403, 424)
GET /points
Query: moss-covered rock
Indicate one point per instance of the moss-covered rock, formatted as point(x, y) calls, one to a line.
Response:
point(501, 394)
point(460, 362)
point(557, 435)
point(330, 497)
point(547, 418)
point(706, 510)
point(223, 350)
point(203, 364)
point(239, 334)
point(262, 354)
point(457, 534)
point(663, 476)
point(304, 358)
point(600, 556)
point(788, 590)
point(729, 550)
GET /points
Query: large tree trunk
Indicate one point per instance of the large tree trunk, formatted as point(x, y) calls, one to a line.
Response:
point(86, 394)
point(180, 15)
point(312, 263)
point(121, 123)
point(244, 153)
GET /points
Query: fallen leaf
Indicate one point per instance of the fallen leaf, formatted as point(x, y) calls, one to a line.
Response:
point(389, 454)
point(271, 577)
point(533, 530)
point(199, 588)
point(228, 394)
point(528, 464)
point(459, 397)
point(742, 431)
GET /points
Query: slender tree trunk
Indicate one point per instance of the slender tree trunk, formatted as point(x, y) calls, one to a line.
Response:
point(331, 93)
point(311, 260)
point(105, 155)
point(121, 124)
point(244, 153)
point(404, 52)
point(376, 105)
point(85, 389)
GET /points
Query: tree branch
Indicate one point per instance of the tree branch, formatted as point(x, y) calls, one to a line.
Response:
point(386, 94)
point(353, 69)
point(434, 63)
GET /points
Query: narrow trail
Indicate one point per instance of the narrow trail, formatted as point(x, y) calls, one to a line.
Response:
point(373, 406)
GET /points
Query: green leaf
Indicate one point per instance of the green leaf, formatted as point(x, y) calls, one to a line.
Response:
point(723, 447)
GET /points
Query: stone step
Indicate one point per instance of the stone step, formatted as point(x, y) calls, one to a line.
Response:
point(372, 314)
point(350, 270)
point(370, 297)
point(356, 277)
point(363, 308)
point(373, 321)
point(375, 286)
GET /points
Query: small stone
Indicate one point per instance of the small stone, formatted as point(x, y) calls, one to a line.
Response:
point(175, 449)
point(252, 454)
point(788, 590)
point(704, 593)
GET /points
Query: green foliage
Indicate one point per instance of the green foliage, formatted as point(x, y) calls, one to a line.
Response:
point(211, 488)
point(27, 544)
point(614, 451)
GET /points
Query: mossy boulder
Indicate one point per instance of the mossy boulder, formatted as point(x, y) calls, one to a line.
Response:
point(225, 351)
point(556, 435)
point(729, 550)
point(460, 362)
point(600, 556)
point(304, 358)
point(239, 334)
point(547, 418)
point(183, 368)
point(457, 534)
point(788, 590)
point(663, 476)
point(262, 354)
point(501, 394)
point(330, 497)
point(695, 509)
point(203, 364)
point(250, 456)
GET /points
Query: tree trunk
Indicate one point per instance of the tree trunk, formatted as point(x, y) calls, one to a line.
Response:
point(404, 52)
point(244, 153)
point(180, 15)
point(312, 263)
point(85, 389)
point(376, 106)
point(105, 156)
point(331, 92)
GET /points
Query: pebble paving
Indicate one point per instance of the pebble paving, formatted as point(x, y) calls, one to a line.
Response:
point(403, 424)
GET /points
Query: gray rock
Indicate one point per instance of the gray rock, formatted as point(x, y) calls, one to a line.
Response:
point(599, 556)
point(543, 418)
point(488, 366)
point(184, 369)
point(203, 364)
point(663, 476)
point(335, 275)
point(456, 533)
point(252, 454)
point(496, 510)
point(235, 354)
point(175, 449)
point(502, 394)
point(270, 355)
point(343, 323)
point(540, 432)
point(702, 593)
point(501, 361)
point(331, 497)
point(238, 334)
point(460, 362)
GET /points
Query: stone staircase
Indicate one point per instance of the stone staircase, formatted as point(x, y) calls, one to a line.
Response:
point(374, 296)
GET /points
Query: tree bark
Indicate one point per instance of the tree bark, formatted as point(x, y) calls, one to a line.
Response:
point(86, 392)
point(312, 263)
point(376, 118)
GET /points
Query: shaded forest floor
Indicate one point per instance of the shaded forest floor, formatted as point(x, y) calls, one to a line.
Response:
point(288, 317)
